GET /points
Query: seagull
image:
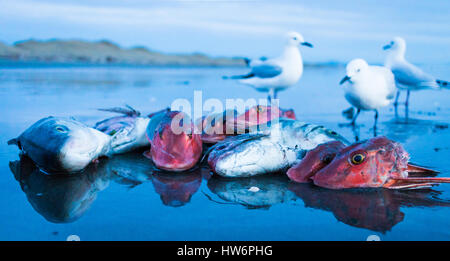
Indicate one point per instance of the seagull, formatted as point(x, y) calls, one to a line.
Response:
point(407, 75)
point(273, 75)
point(368, 87)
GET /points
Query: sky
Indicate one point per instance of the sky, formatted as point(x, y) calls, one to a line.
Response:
point(340, 30)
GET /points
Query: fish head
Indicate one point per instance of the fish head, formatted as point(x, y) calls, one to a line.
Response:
point(58, 144)
point(241, 155)
point(314, 161)
point(262, 114)
point(175, 144)
point(215, 127)
point(258, 114)
point(369, 163)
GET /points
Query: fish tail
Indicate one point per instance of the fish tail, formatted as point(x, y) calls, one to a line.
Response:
point(443, 84)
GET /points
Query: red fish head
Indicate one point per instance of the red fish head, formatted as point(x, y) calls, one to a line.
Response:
point(175, 146)
point(216, 127)
point(377, 162)
point(314, 161)
point(365, 164)
point(261, 114)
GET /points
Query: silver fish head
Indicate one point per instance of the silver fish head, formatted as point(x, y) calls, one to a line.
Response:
point(246, 155)
point(58, 144)
point(272, 149)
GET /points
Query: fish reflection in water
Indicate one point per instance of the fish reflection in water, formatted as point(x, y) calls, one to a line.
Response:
point(374, 209)
point(65, 198)
point(58, 198)
point(259, 192)
point(176, 189)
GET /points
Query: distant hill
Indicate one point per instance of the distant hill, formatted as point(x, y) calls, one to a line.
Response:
point(103, 53)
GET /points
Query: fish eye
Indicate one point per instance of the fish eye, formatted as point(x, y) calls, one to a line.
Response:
point(327, 159)
point(260, 109)
point(61, 129)
point(332, 133)
point(392, 42)
point(358, 70)
point(357, 158)
point(295, 38)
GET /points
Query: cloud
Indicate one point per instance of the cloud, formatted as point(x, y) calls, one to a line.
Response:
point(254, 17)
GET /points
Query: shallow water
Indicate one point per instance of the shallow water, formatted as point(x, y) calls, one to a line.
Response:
point(120, 199)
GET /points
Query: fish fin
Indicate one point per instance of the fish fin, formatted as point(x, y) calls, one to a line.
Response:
point(128, 110)
point(14, 141)
point(157, 112)
point(14, 166)
point(415, 183)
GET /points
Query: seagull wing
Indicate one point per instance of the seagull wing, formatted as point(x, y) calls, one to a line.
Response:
point(388, 79)
point(266, 70)
point(410, 75)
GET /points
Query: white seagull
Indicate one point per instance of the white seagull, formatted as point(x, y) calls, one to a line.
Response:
point(407, 75)
point(273, 75)
point(368, 87)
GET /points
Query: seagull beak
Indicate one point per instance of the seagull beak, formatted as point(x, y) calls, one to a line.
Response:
point(388, 46)
point(307, 44)
point(346, 78)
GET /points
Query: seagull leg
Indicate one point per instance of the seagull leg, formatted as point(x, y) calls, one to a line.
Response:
point(407, 105)
point(396, 103)
point(375, 124)
point(356, 116)
point(271, 95)
point(352, 123)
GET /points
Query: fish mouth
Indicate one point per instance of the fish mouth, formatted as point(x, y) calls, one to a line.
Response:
point(413, 168)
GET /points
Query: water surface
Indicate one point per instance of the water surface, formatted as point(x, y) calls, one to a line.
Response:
point(123, 198)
